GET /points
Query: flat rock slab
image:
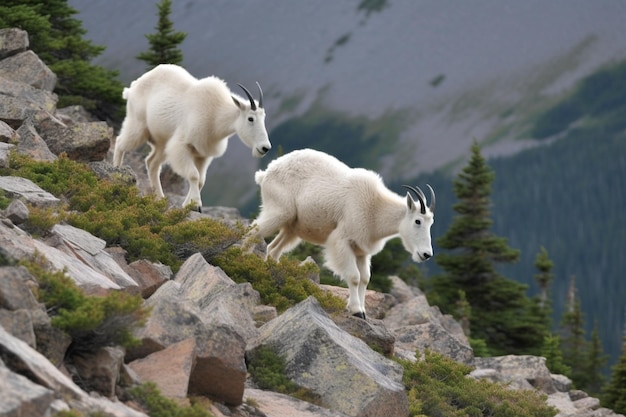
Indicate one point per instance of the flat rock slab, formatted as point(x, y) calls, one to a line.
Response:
point(273, 404)
point(28, 190)
point(169, 368)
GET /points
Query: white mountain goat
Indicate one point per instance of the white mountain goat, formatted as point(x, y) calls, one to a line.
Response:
point(309, 195)
point(187, 122)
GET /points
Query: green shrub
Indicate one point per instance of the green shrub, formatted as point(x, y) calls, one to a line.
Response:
point(91, 321)
point(480, 348)
point(281, 284)
point(4, 201)
point(437, 386)
point(156, 405)
point(42, 219)
point(147, 229)
point(267, 369)
point(63, 177)
point(207, 236)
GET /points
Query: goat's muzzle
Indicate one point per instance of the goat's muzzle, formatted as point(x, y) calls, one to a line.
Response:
point(261, 151)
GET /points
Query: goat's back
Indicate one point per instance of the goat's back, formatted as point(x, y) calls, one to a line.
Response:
point(302, 169)
point(162, 79)
point(168, 98)
point(315, 183)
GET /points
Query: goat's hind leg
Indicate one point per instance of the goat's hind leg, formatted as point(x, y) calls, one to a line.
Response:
point(264, 225)
point(132, 135)
point(155, 159)
point(283, 242)
point(182, 159)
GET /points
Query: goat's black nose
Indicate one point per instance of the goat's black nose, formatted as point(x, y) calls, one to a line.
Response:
point(265, 149)
point(427, 255)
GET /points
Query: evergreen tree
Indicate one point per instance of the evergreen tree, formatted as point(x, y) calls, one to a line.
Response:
point(56, 37)
point(573, 342)
point(615, 391)
point(596, 361)
point(464, 313)
point(551, 350)
point(544, 265)
point(164, 43)
point(502, 315)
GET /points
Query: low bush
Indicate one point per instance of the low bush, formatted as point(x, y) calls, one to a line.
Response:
point(4, 201)
point(437, 386)
point(92, 322)
point(281, 284)
point(157, 405)
point(267, 369)
point(148, 229)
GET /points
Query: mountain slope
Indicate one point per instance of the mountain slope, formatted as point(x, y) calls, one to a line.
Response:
point(405, 89)
point(452, 71)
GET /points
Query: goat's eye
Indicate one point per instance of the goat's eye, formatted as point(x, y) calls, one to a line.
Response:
point(251, 119)
point(418, 222)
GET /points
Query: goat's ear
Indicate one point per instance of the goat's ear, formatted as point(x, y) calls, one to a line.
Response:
point(239, 105)
point(410, 204)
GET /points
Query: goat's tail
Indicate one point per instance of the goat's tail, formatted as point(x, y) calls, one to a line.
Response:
point(258, 176)
point(125, 93)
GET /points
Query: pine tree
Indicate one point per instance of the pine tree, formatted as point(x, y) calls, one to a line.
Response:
point(573, 342)
point(502, 314)
point(544, 265)
point(164, 43)
point(464, 313)
point(615, 391)
point(596, 361)
point(56, 37)
point(551, 350)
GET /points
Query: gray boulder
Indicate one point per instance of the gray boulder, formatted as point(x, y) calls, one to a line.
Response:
point(19, 396)
point(25, 361)
point(84, 142)
point(418, 326)
point(27, 68)
point(339, 369)
point(519, 371)
point(90, 250)
point(14, 40)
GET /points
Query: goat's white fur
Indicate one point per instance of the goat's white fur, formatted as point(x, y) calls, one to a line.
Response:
point(309, 195)
point(187, 122)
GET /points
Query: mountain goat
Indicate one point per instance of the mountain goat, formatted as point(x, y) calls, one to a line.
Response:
point(309, 195)
point(187, 122)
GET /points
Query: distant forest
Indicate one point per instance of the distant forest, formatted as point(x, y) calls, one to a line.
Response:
point(568, 196)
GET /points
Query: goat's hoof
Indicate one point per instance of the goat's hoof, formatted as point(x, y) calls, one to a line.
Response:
point(199, 209)
point(360, 315)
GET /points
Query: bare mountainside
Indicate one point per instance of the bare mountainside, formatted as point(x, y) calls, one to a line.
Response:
point(442, 72)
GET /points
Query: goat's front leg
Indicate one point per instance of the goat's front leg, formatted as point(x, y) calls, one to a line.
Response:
point(193, 196)
point(202, 165)
point(341, 260)
point(363, 263)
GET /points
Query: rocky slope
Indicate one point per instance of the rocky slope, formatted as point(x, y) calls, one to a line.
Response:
point(204, 328)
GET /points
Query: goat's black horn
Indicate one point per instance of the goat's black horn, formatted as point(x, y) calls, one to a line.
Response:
point(419, 195)
point(252, 103)
point(260, 95)
point(432, 198)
